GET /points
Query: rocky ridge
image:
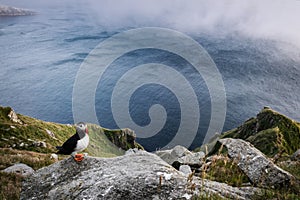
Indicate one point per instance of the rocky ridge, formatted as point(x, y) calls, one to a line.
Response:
point(139, 175)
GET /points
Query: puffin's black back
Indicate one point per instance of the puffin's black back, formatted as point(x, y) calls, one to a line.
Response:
point(68, 147)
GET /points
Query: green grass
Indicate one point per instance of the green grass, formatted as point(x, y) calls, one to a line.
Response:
point(106, 147)
point(225, 171)
point(16, 146)
point(103, 142)
point(14, 134)
point(270, 132)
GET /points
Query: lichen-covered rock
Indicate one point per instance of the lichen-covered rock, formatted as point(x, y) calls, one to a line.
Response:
point(260, 170)
point(139, 175)
point(20, 168)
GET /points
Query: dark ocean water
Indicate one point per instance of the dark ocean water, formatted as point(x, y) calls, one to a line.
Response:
point(40, 56)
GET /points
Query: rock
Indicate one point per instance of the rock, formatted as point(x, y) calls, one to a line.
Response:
point(180, 151)
point(259, 169)
point(54, 156)
point(132, 151)
point(140, 175)
point(180, 155)
point(123, 138)
point(21, 169)
point(39, 144)
point(12, 11)
point(14, 117)
point(50, 133)
point(296, 156)
point(185, 169)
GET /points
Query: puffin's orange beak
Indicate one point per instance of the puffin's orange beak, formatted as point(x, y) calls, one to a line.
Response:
point(87, 131)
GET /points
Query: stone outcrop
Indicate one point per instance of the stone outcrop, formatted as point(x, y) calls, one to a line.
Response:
point(180, 155)
point(21, 169)
point(12, 11)
point(12, 115)
point(136, 175)
point(259, 169)
point(123, 138)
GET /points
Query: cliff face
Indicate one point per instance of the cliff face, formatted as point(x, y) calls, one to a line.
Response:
point(12, 11)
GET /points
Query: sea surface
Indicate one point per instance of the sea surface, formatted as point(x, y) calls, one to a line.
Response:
point(40, 56)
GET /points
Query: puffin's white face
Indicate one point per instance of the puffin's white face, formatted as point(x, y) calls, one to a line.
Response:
point(82, 126)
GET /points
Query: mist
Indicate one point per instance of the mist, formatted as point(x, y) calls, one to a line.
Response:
point(267, 19)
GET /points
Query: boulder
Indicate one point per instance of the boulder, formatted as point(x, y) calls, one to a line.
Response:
point(185, 169)
point(180, 155)
point(139, 175)
point(20, 168)
point(260, 170)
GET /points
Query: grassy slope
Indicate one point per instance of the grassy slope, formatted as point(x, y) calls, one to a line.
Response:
point(16, 146)
point(22, 136)
point(270, 132)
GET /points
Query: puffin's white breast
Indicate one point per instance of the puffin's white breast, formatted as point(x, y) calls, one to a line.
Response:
point(83, 143)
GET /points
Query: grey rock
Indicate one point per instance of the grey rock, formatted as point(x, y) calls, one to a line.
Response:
point(50, 133)
point(296, 156)
point(39, 144)
point(185, 169)
point(260, 170)
point(12, 11)
point(20, 169)
point(193, 158)
point(180, 155)
point(132, 151)
point(180, 151)
point(140, 175)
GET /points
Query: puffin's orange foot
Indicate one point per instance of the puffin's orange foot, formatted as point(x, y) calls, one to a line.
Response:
point(78, 157)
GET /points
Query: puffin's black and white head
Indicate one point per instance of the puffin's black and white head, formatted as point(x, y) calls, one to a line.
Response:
point(81, 129)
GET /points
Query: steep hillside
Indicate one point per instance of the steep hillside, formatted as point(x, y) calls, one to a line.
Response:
point(25, 133)
point(270, 132)
point(31, 141)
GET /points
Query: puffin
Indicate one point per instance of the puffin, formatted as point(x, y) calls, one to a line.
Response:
point(76, 143)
